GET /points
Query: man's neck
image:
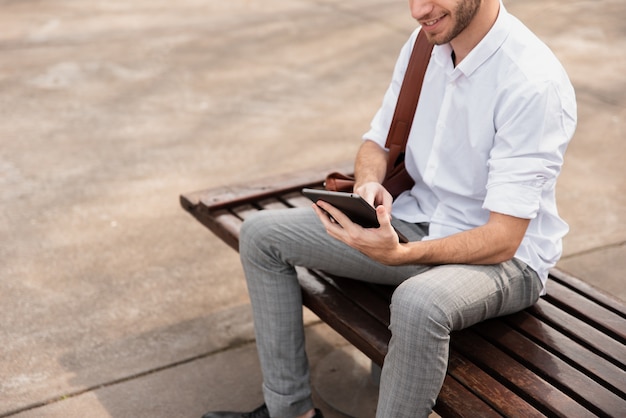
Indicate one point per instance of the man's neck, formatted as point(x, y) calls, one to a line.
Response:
point(483, 21)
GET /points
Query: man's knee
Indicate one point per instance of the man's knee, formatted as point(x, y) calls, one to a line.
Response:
point(255, 231)
point(416, 303)
point(270, 231)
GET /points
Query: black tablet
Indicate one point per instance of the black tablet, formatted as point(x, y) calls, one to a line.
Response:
point(353, 205)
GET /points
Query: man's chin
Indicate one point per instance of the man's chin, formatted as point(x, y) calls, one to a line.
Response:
point(435, 39)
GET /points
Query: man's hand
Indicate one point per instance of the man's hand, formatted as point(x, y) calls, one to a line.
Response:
point(380, 244)
point(375, 194)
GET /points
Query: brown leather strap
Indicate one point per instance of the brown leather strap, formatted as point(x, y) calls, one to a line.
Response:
point(397, 180)
point(407, 100)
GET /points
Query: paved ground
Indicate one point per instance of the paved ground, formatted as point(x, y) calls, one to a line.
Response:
point(115, 302)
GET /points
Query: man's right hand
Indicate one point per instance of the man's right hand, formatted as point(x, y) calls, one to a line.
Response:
point(369, 170)
point(375, 194)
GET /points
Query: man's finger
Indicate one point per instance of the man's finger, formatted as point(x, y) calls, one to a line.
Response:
point(339, 217)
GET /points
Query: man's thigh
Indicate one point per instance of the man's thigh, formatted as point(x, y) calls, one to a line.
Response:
point(463, 295)
point(296, 237)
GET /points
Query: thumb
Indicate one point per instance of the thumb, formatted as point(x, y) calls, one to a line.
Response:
point(383, 216)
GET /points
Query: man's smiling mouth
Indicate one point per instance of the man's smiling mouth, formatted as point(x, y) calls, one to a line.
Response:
point(432, 22)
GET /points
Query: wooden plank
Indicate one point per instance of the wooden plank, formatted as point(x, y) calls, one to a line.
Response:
point(223, 223)
point(570, 350)
point(272, 203)
point(581, 307)
point(553, 369)
point(456, 401)
point(228, 196)
point(589, 291)
point(366, 295)
point(190, 200)
point(297, 200)
point(492, 392)
point(585, 334)
point(528, 385)
point(244, 211)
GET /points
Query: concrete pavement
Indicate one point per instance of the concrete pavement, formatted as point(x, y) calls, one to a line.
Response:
point(115, 302)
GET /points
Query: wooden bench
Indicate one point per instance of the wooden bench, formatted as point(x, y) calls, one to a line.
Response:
point(565, 356)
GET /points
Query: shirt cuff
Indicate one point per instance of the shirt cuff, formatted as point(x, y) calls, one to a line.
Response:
point(514, 199)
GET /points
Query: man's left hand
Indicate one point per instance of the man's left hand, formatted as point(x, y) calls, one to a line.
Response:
point(380, 244)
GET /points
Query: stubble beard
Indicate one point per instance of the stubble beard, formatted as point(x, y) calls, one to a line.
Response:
point(462, 15)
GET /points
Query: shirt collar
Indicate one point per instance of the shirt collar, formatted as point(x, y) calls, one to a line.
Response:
point(481, 52)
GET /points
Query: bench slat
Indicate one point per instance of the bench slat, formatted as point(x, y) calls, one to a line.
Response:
point(552, 368)
point(570, 350)
point(272, 203)
point(365, 295)
point(588, 291)
point(229, 196)
point(224, 224)
point(297, 200)
point(516, 376)
point(456, 401)
point(502, 399)
point(591, 312)
point(587, 335)
point(244, 211)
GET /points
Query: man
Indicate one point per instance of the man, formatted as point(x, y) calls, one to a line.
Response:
point(494, 118)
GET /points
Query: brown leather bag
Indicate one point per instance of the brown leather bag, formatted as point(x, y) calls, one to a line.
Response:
point(397, 180)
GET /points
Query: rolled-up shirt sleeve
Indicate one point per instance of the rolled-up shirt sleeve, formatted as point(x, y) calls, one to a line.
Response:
point(532, 133)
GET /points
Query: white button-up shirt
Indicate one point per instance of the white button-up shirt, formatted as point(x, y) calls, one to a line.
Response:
point(488, 136)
